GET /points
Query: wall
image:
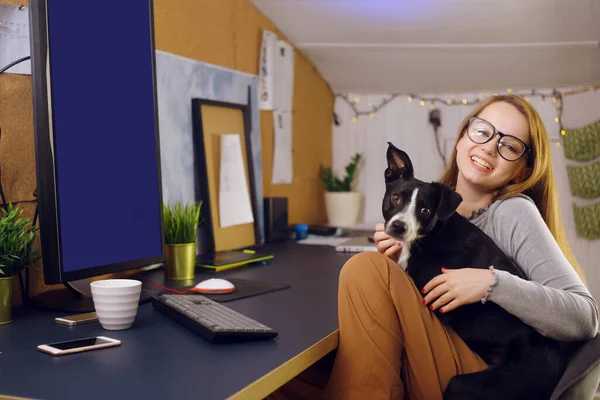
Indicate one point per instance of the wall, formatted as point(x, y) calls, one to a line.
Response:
point(406, 124)
point(228, 34)
point(222, 32)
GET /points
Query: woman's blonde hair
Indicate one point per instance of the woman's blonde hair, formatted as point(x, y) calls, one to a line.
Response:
point(539, 183)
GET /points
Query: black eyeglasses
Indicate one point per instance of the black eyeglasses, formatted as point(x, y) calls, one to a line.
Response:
point(511, 148)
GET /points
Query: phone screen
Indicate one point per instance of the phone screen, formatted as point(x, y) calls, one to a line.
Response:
point(73, 344)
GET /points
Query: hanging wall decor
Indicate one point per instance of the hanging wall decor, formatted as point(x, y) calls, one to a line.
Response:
point(584, 180)
point(587, 221)
point(582, 144)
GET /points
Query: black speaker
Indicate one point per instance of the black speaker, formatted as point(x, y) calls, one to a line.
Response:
point(276, 219)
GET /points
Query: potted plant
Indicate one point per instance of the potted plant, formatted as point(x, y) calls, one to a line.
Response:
point(17, 252)
point(181, 229)
point(341, 202)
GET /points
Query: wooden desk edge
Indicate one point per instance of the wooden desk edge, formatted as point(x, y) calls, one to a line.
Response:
point(272, 381)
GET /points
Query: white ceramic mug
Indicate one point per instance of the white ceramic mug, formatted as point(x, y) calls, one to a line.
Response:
point(116, 302)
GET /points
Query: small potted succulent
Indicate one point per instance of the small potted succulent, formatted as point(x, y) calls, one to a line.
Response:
point(181, 230)
point(17, 252)
point(341, 201)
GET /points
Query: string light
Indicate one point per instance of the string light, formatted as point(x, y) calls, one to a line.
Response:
point(353, 100)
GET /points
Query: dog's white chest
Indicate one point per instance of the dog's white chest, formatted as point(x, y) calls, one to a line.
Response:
point(404, 255)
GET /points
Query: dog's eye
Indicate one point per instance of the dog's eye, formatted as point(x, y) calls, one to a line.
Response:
point(396, 198)
point(425, 211)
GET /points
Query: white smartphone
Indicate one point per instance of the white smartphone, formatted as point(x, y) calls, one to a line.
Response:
point(79, 345)
point(77, 319)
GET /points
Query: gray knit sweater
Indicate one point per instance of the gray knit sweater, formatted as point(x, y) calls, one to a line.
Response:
point(553, 300)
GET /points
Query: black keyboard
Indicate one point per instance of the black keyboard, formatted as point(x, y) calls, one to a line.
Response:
point(211, 320)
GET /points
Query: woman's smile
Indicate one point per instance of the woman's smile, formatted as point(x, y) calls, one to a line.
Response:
point(481, 164)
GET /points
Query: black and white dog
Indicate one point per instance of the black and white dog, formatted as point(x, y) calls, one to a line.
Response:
point(524, 364)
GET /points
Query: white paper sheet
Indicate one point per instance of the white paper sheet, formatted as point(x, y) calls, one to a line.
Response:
point(14, 38)
point(323, 240)
point(235, 207)
point(282, 153)
point(266, 70)
point(283, 85)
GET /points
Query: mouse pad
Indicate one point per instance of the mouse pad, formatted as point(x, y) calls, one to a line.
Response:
point(246, 288)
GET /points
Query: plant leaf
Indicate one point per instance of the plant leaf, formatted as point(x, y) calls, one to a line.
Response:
point(181, 222)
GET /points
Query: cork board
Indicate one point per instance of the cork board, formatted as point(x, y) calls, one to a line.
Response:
point(211, 120)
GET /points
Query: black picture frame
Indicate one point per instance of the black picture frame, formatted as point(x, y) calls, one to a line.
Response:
point(206, 244)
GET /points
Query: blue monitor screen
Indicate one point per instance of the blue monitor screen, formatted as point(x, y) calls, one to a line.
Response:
point(104, 129)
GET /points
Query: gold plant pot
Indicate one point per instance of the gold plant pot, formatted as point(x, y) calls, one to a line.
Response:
point(180, 263)
point(6, 289)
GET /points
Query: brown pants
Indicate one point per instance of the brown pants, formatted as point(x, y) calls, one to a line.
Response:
point(391, 345)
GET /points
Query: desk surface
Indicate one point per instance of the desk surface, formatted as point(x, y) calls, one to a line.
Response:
point(159, 358)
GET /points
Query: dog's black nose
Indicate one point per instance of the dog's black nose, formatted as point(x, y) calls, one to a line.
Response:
point(398, 227)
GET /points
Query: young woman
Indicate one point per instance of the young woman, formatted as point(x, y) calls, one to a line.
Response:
point(391, 343)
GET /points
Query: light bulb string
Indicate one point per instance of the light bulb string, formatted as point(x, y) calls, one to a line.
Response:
point(555, 95)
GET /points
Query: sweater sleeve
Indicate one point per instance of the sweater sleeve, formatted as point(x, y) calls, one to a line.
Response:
point(553, 300)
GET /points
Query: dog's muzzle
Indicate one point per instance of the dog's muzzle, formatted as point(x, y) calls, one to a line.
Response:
point(398, 227)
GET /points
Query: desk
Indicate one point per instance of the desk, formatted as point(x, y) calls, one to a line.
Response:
point(161, 359)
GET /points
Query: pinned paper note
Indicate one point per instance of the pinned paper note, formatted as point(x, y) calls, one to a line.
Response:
point(266, 70)
point(282, 154)
point(14, 38)
point(235, 207)
point(283, 81)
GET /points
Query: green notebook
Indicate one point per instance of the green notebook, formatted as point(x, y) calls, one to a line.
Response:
point(223, 260)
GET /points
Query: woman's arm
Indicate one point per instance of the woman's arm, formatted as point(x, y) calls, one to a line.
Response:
point(554, 301)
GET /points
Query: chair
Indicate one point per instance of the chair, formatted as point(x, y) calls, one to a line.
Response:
point(582, 376)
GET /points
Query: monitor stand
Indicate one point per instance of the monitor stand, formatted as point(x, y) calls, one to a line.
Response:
point(75, 298)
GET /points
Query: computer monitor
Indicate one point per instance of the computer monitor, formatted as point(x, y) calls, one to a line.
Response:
point(96, 138)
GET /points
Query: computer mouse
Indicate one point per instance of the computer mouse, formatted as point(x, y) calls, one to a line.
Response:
point(214, 285)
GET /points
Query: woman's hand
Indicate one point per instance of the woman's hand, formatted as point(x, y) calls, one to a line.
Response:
point(386, 244)
point(456, 287)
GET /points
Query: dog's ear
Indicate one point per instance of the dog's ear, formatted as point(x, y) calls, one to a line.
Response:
point(399, 165)
point(449, 200)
